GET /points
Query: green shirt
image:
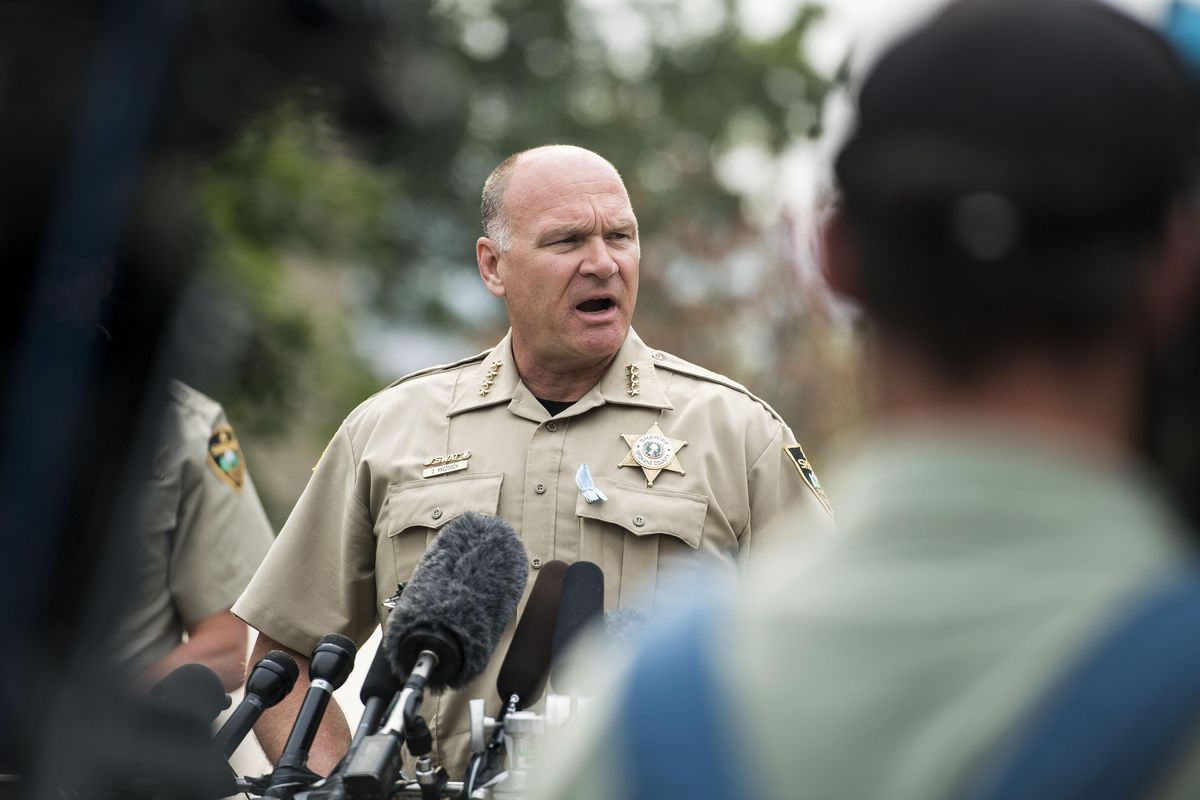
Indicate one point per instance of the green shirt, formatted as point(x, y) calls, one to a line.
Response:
point(970, 566)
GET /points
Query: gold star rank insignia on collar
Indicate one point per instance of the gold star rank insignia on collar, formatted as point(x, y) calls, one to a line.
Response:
point(654, 452)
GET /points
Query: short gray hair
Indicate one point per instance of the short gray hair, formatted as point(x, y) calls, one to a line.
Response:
point(495, 220)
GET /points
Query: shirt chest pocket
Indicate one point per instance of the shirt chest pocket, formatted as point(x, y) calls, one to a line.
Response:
point(642, 536)
point(417, 510)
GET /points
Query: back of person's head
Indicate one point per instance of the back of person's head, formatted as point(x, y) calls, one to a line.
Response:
point(1013, 167)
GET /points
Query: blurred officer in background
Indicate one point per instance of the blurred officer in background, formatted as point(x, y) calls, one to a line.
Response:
point(593, 445)
point(201, 529)
point(203, 532)
point(1018, 224)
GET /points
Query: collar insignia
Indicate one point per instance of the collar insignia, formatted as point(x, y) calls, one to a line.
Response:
point(634, 379)
point(796, 453)
point(490, 378)
point(654, 452)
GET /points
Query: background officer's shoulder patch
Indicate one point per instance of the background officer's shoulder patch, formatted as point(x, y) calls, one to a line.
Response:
point(225, 457)
point(796, 453)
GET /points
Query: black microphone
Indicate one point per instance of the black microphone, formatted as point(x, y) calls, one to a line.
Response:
point(527, 663)
point(192, 689)
point(442, 633)
point(269, 682)
point(378, 689)
point(330, 665)
point(582, 604)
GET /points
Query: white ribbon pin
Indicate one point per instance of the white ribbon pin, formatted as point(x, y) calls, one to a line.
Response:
point(583, 479)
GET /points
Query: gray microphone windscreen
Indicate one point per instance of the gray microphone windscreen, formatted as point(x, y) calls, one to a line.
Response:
point(625, 626)
point(463, 593)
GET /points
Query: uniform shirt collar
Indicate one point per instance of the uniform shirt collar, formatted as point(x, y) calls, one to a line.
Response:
point(630, 380)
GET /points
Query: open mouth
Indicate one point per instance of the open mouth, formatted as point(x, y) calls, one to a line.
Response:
point(596, 305)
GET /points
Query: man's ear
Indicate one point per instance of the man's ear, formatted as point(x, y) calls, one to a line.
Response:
point(487, 255)
point(837, 256)
point(1174, 278)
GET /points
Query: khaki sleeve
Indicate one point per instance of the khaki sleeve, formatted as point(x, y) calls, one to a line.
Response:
point(319, 576)
point(784, 502)
point(221, 535)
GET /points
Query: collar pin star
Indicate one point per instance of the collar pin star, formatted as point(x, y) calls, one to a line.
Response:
point(490, 378)
point(654, 452)
point(635, 380)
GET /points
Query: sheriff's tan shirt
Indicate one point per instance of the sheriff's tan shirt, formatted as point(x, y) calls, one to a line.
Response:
point(202, 530)
point(369, 512)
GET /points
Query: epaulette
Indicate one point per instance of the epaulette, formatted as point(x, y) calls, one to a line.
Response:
point(438, 368)
point(676, 364)
point(193, 400)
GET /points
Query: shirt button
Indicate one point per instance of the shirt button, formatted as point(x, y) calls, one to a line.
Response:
point(437, 513)
point(552, 426)
point(536, 563)
point(540, 488)
point(639, 520)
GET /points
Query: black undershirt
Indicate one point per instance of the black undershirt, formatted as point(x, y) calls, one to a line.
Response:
point(556, 407)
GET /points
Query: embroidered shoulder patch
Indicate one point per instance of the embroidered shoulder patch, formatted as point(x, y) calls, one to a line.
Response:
point(225, 457)
point(796, 453)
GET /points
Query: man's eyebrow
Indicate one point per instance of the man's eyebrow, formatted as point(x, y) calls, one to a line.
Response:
point(568, 229)
point(556, 232)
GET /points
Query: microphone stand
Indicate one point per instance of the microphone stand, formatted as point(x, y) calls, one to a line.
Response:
point(375, 765)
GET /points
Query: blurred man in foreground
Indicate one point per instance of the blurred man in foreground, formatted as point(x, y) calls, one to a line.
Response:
point(593, 445)
point(1019, 227)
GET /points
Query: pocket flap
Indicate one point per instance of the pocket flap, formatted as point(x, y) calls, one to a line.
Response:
point(431, 503)
point(644, 512)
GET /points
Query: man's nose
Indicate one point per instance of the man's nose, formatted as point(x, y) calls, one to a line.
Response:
point(597, 260)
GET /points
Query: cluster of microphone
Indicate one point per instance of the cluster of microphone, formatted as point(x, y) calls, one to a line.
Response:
point(442, 633)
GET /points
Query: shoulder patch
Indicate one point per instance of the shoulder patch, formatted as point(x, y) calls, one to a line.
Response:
point(796, 453)
point(225, 457)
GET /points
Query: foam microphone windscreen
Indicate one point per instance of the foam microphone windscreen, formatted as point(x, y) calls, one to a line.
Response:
point(461, 596)
point(193, 689)
point(527, 663)
point(582, 604)
point(625, 626)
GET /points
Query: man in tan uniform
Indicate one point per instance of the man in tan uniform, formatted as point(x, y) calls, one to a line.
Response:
point(202, 535)
point(690, 467)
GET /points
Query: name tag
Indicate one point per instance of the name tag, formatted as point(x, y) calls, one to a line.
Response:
point(442, 469)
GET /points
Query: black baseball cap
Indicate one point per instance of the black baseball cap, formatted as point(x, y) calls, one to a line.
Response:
point(1072, 112)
